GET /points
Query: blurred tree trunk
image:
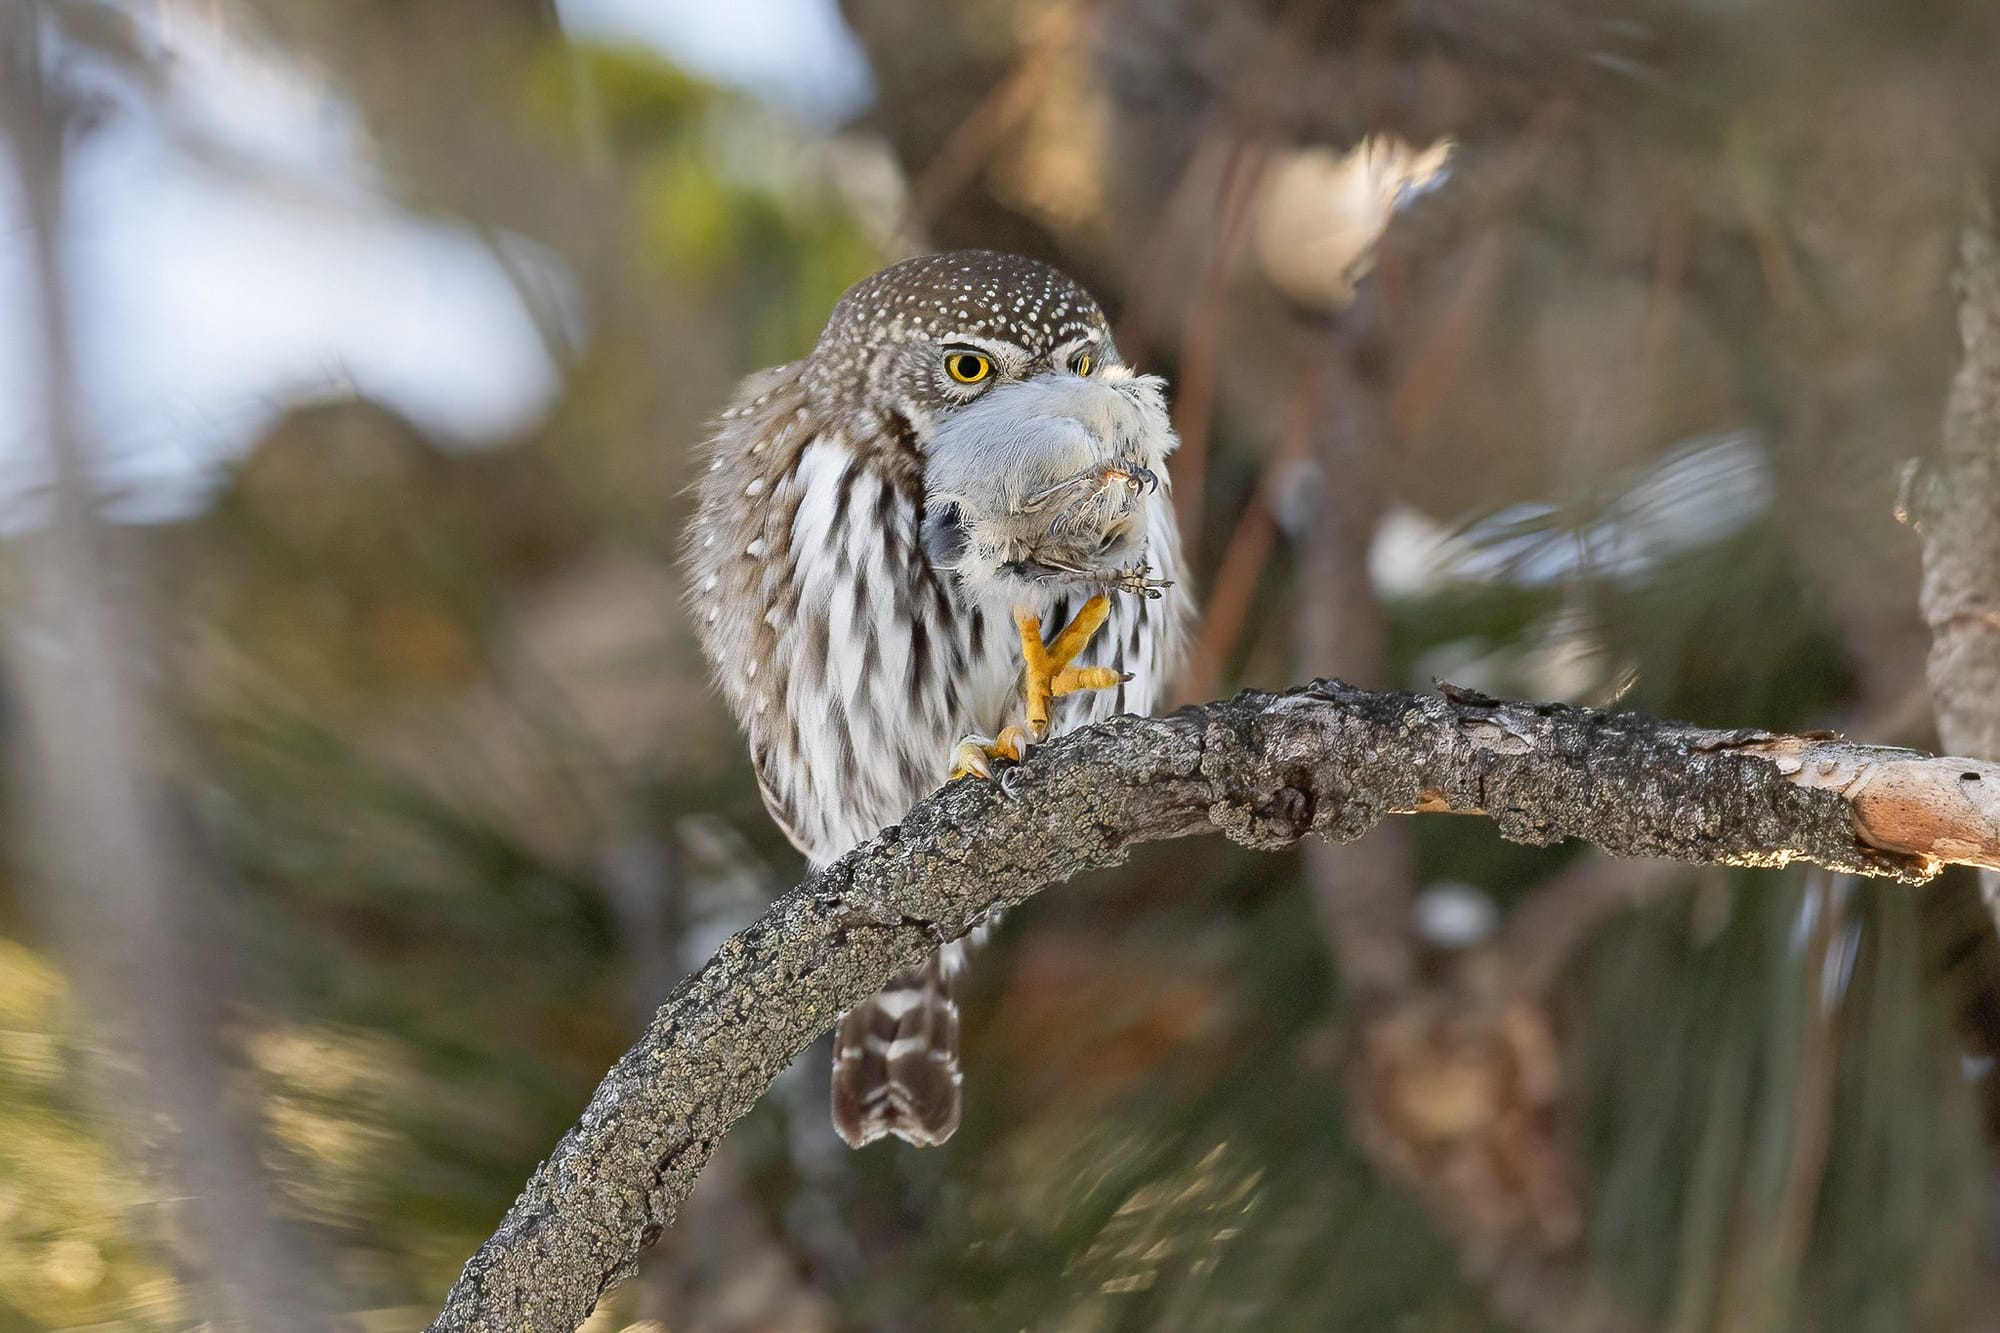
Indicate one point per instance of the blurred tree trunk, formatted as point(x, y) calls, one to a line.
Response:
point(1959, 515)
point(106, 861)
point(1456, 1080)
point(1364, 891)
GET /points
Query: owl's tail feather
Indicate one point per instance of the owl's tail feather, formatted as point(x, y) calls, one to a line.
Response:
point(895, 1057)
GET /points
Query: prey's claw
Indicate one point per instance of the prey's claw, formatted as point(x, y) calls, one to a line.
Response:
point(1138, 477)
point(1139, 579)
point(1136, 579)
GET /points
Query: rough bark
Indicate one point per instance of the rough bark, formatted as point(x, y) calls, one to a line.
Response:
point(1264, 769)
point(1959, 515)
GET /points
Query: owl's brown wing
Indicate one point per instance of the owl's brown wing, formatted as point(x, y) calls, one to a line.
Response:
point(852, 670)
point(838, 646)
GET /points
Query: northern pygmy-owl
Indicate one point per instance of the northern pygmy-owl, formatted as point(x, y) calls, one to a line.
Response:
point(882, 531)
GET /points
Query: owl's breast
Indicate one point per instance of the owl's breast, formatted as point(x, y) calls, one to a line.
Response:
point(853, 663)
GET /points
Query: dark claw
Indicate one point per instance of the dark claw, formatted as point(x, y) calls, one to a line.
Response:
point(1141, 478)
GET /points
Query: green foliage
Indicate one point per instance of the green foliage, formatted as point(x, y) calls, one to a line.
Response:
point(1778, 1128)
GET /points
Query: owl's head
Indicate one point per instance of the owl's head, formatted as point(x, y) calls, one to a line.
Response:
point(1040, 451)
point(935, 334)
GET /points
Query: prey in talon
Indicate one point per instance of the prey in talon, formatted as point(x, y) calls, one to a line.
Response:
point(1046, 499)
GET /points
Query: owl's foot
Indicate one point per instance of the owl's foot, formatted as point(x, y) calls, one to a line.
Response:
point(975, 754)
point(1049, 675)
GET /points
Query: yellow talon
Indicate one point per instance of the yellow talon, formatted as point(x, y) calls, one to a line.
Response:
point(1070, 680)
point(975, 753)
point(1048, 675)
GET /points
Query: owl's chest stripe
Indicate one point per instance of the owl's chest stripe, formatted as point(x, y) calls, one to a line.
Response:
point(881, 662)
point(843, 493)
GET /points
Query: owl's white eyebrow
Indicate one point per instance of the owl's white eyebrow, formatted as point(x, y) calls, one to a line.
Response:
point(1069, 349)
point(1000, 351)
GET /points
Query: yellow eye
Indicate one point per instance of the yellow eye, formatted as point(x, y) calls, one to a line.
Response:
point(1082, 363)
point(967, 367)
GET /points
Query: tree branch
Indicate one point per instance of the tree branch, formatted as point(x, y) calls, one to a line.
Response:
point(1263, 769)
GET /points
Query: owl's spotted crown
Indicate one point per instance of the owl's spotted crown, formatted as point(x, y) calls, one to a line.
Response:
point(975, 293)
